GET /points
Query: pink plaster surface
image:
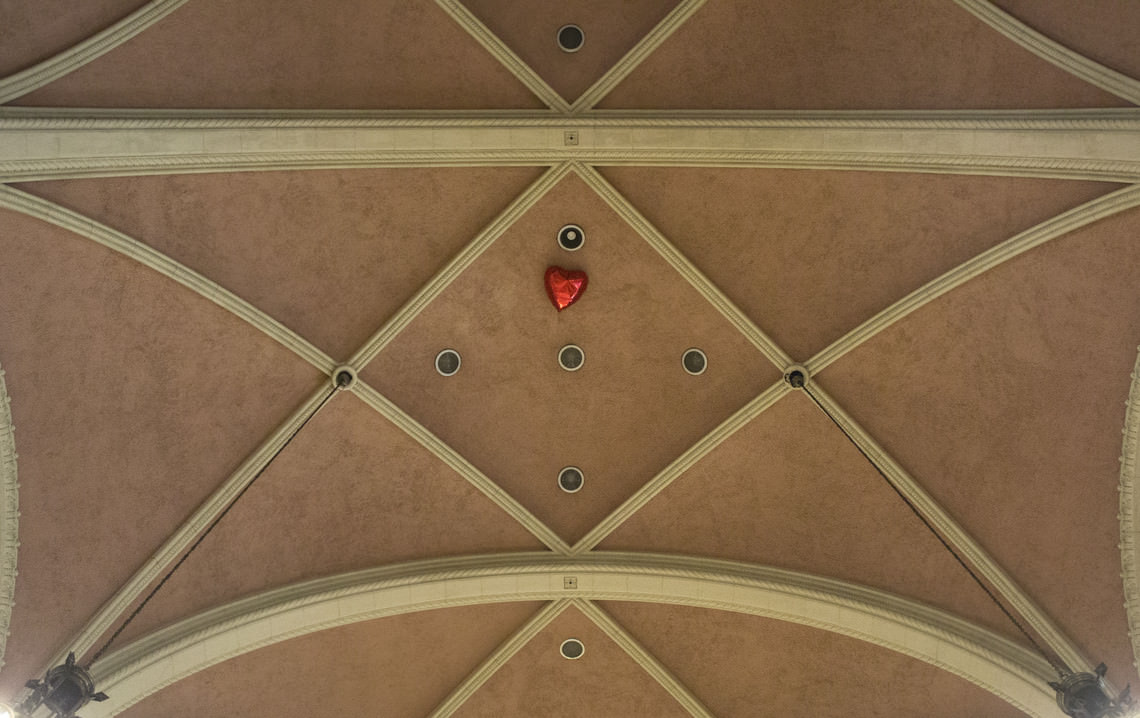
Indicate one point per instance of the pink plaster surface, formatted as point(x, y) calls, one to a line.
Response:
point(35, 30)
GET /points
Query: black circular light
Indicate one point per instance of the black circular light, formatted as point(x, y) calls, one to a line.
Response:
point(447, 362)
point(572, 649)
point(694, 361)
point(570, 479)
point(571, 357)
point(571, 237)
point(571, 38)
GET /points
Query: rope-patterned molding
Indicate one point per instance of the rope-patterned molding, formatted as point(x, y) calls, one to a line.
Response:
point(443, 279)
point(992, 662)
point(35, 77)
point(19, 201)
point(1129, 510)
point(9, 514)
point(643, 658)
point(105, 619)
point(684, 267)
point(461, 466)
point(1065, 648)
point(643, 49)
point(498, 659)
point(673, 471)
point(514, 64)
point(1058, 226)
point(1052, 51)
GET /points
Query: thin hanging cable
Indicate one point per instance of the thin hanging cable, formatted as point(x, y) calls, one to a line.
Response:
point(210, 528)
point(1060, 669)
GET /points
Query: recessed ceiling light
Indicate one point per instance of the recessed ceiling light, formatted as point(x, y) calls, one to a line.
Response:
point(570, 480)
point(571, 237)
point(571, 38)
point(447, 362)
point(571, 357)
point(694, 361)
point(572, 649)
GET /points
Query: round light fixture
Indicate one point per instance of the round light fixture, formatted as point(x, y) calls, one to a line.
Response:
point(694, 361)
point(343, 378)
point(572, 649)
point(571, 238)
point(571, 38)
point(571, 357)
point(447, 362)
point(570, 480)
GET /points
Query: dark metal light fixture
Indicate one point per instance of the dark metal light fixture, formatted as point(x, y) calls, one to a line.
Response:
point(1085, 695)
point(63, 691)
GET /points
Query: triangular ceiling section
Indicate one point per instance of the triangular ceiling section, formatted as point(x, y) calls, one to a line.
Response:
point(1005, 399)
point(537, 681)
point(35, 30)
point(826, 55)
point(330, 254)
point(397, 666)
point(1108, 31)
point(307, 54)
point(370, 493)
point(809, 255)
point(530, 29)
point(743, 666)
point(623, 416)
point(765, 497)
point(118, 443)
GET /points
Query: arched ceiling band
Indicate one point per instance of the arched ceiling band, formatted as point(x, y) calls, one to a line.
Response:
point(1130, 512)
point(9, 514)
point(994, 663)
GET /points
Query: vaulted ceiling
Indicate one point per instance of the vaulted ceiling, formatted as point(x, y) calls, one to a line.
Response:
point(208, 209)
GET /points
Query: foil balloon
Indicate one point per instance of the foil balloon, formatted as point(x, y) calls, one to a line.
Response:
point(564, 287)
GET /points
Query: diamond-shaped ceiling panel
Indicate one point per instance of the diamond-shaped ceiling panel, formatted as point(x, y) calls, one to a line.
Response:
point(1107, 31)
point(34, 30)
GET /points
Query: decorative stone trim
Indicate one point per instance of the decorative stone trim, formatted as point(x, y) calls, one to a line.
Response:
point(9, 514)
point(14, 199)
point(644, 659)
point(498, 659)
point(643, 49)
point(1129, 510)
point(972, 551)
point(461, 466)
point(1048, 49)
point(79, 55)
point(443, 279)
point(992, 662)
point(1050, 229)
point(684, 267)
point(492, 44)
point(673, 471)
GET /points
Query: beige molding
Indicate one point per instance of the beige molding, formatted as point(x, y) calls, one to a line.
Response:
point(1020, 601)
point(498, 49)
point(9, 515)
point(1069, 60)
point(53, 68)
point(1050, 229)
point(679, 466)
point(496, 660)
point(461, 466)
point(19, 201)
point(1086, 145)
point(643, 49)
point(443, 279)
point(684, 267)
point(109, 614)
point(1130, 510)
point(990, 661)
point(643, 658)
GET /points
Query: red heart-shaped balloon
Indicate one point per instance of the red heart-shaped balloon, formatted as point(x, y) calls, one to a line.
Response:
point(564, 287)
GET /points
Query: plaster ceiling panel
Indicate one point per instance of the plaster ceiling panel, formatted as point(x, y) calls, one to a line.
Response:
point(809, 255)
point(35, 30)
point(370, 493)
point(397, 666)
point(1107, 31)
point(611, 30)
point(846, 55)
point(135, 399)
point(516, 415)
point(330, 254)
point(538, 681)
point(355, 54)
point(741, 665)
point(788, 490)
point(1005, 400)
